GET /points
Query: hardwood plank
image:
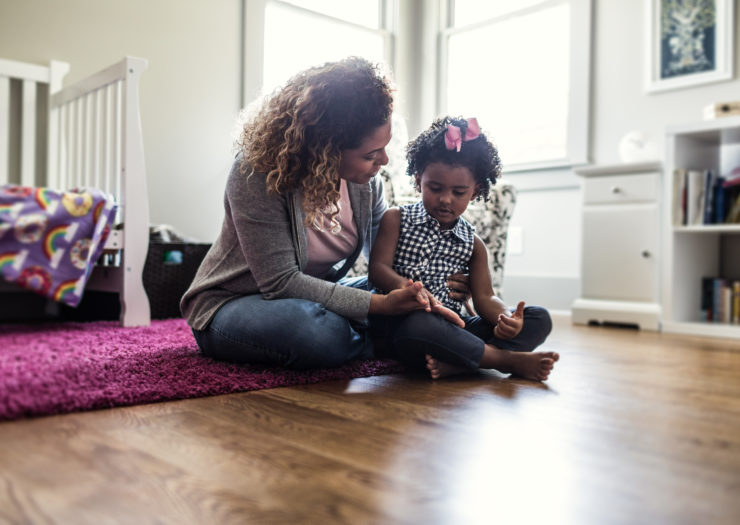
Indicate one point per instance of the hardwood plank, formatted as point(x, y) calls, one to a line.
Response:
point(632, 427)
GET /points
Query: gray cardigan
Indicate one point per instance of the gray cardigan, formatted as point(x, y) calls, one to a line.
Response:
point(262, 249)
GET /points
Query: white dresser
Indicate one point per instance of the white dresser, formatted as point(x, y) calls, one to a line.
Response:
point(620, 246)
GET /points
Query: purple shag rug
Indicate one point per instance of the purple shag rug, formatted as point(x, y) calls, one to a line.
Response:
point(69, 367)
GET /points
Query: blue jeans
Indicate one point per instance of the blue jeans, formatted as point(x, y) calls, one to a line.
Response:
point(291, 333)
point(410, 338)
point(296, 333)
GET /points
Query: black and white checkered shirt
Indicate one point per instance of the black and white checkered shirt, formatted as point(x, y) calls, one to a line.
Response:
point(428, 254)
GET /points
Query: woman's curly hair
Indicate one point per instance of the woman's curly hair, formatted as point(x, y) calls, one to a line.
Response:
point(298, 133)
point(479, 155)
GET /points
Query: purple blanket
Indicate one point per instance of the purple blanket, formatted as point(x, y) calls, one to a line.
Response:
point(50, 240)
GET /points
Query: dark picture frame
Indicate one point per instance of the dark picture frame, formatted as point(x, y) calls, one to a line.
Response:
point(690, 42)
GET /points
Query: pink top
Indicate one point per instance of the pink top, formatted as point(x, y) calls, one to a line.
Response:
point(336, 242)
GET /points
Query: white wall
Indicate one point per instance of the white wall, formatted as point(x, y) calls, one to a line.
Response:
point(190, 94)
point(548, 209)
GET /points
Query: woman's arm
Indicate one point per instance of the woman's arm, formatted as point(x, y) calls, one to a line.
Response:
point(265, 231)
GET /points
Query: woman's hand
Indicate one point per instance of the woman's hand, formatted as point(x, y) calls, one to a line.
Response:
point(411, 297)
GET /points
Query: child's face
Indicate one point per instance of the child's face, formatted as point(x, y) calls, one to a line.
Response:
point(446, 191)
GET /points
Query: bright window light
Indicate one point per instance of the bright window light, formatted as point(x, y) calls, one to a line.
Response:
point(523, 69)
point(297, 39)
point(362, 12)
point(520, 92)
point(472, 11)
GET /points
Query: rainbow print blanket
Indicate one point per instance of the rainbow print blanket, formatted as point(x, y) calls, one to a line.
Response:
point(50, 240)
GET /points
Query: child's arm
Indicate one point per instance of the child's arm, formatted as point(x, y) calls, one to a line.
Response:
point(485, 301)
point(380, 267)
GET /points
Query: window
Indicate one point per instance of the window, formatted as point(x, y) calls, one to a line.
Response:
point(521, 68)
point(287, 36)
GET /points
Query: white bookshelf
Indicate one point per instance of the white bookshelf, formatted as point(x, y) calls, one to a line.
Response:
point(693, 252)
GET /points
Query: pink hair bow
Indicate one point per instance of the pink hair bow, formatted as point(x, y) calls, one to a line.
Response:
point(453, 135)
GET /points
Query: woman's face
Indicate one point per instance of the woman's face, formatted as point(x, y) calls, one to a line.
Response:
point(361, 164)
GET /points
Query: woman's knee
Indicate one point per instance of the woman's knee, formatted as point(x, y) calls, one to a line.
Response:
point(294, 333)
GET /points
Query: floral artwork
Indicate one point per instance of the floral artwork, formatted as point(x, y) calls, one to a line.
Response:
point(690, 42)
point(687, 37)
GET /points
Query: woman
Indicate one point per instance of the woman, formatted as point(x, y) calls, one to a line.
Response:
point(302, 202)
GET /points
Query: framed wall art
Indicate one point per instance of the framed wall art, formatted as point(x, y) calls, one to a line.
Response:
point(690, 42)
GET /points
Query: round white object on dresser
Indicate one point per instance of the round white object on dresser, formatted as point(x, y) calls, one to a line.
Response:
point(637, 146)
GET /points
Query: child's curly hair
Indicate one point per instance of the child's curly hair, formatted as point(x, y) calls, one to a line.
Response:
point(478, 155)
point(297, 134)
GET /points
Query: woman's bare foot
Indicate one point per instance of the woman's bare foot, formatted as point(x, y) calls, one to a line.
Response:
point(438, 369)
point(529, 365)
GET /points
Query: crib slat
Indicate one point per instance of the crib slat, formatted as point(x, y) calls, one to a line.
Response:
point(79, 117)
point(28, 134)
point(94, 179)
point(70, 147)
point(55, 162)
point(4, 128)
point(104, 148)
point(58, 149)
point(115, 137)
point(87, 142)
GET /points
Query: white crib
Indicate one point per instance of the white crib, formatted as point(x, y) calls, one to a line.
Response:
point(84, 135)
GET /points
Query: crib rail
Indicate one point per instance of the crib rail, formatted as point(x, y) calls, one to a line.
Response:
point(84, 135)
point(95, 135)
point(24, 100)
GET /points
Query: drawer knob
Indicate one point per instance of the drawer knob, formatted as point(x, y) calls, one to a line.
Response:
point(616, 189)
point(646, 254)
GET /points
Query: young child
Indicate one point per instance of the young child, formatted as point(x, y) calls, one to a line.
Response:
point(454, 163)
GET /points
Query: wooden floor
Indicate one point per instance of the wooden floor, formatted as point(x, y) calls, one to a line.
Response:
point(633, 427)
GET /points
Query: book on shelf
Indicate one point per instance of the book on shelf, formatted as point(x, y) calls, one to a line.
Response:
point(733, 214)
point(707, 298)
point(710, 184)
point(720, 300)
point(695, 187)
point(679, 197)
point(705, 197)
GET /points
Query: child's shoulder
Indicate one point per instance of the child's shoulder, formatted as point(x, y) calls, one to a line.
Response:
point(392, 214)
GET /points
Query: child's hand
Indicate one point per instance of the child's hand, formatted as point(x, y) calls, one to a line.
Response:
point(510, 326)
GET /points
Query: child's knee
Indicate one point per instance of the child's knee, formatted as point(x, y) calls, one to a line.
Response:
point(538, 323)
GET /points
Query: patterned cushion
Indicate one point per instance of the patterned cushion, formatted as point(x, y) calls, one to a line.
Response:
point(490, 218)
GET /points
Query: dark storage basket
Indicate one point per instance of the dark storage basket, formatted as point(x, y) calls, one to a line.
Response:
point(168, 272)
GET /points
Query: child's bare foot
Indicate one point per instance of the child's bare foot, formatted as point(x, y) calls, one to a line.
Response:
point(529, 365)
point(535, 365)
point(438, 369)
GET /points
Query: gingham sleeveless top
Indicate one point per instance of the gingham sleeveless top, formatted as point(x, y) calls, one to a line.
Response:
point(429, 254)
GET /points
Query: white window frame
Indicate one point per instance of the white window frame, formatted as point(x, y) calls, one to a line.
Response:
point(253, 31)
point(579, 95)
